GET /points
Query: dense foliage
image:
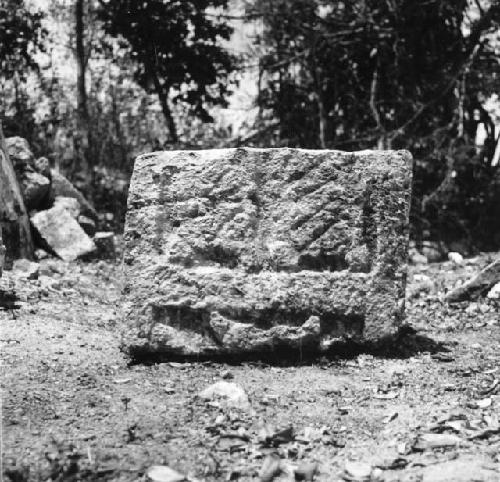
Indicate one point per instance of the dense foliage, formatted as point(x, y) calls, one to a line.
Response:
point(93, 83)
point(399, 74)
point(21, 36)
point(176, 48)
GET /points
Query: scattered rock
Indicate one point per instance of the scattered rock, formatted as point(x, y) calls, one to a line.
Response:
point(456, 258)
point(306, 471)
point(428, 441)
point(70, 204)
point(233, 395)
point(433, 252)
point(462, 469)
point(105, 243)
point(62, 234)
point(271, 468)
point(231, 444)
point(494, 293)
point(270, 437)
point(87, 224)
point(484, 403)
point(41, 254)
point(357, 471)
point(268, 247)
point(422, 285)
point(63, 187)
point(20, 153)
point(335, 385)
point(42, 166)
point(27, 269)
point(477, 286)
point(417, 258)
point(162, 473)
point(35, 189)
point(312, 434)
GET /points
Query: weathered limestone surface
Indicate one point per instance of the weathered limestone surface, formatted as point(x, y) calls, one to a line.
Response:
point(62, 234)
point(242, 250)
point(14, 221)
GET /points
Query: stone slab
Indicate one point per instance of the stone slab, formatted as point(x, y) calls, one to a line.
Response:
point(62, 234)
point(237, 251)
point(478, 286)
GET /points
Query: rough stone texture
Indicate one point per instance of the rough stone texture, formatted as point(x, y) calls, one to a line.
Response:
point(42, 166)
point(20, 153)
point(24, 268)
point(249, 250)
point(60, 232)
point(63, 187)
point(35, 189)
point(14, 220)
point(477, 286)
point(494, 293)
point(35, 186)
point(70, 204)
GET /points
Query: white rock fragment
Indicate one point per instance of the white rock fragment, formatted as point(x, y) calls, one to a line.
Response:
point(70, 204)
point(455, 258)
point(494, 293)
point(231, 393)
point(62, 233)
point(428, 441)
point(357, 471)
point(162, 473)
point(24, 268)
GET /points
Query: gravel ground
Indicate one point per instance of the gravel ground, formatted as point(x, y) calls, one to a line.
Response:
point(422, 407)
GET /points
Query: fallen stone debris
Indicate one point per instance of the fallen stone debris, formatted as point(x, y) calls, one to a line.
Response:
point(163, 473)
point(231, 394)
point(27, 269)
point(64, 222)
point(482, 284)
point(61, 233)
point(251, 250)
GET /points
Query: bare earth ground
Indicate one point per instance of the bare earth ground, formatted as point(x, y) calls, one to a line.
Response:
point(73, 409)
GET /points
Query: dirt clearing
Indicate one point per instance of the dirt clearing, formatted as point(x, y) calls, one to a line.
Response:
point(422, 408)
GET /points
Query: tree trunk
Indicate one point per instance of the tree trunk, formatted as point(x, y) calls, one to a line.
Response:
point(322, 120)
point(14, 221)
point(82, 137)
point(322, 114)
point(167, 113)
point(118, 126)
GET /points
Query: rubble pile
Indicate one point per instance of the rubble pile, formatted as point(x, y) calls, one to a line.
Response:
point(63, 222)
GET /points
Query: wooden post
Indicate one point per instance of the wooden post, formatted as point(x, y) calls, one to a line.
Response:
point(14, 220)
